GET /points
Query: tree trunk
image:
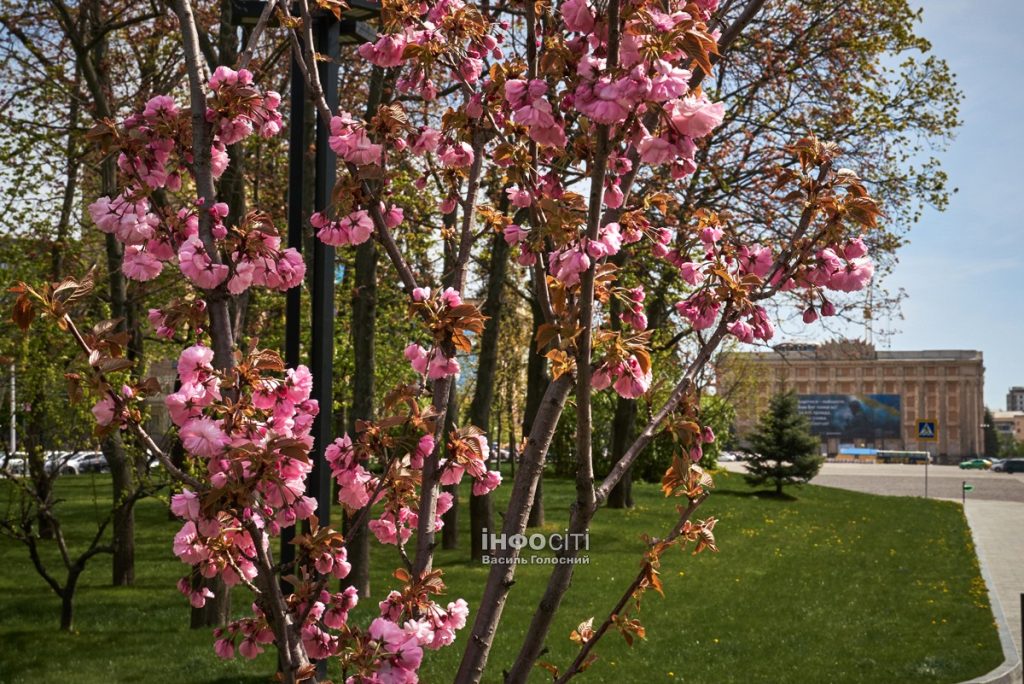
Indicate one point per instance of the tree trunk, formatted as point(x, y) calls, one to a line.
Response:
point(364, 330)
point(450, 531)
point(67, 599)
point(217, 610)
point(623, 428)
point(35, 465)
point(67, 606)
point(481, 508)
point(121, 471)
point(536, 386)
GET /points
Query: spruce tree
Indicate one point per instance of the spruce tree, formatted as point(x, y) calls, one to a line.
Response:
point(783, 450)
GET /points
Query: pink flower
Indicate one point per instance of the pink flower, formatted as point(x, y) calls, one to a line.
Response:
point(187, 545)
point(249, 648)
point(185, 505)
point(426, 141)
point(669, 82)
point(577, 16)
point(193, 361)
point(700, 310)
point(613, 196)
point(514, 234)
point(604, 101)
point(393, 217)
point(742, 330)
point(103, 411)
point(386, 52)
point(451, 298)
point(223, 647)
point(601, 378)
point(519, 197)
point(854, 276)
point(441, 366)
point(691, 273)
point(656, 150)
point(197, 266)
point(204, 437)
point(695, 117)
point(452, 474)
point(360, 226)
point(457, 154)
point(487, 483)
point(855, 249)
point(417, 356)
point(633, 382)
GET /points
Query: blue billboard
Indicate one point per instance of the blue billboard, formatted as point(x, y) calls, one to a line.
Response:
point(853, 416)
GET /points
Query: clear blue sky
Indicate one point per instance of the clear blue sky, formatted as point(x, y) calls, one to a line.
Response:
point(964, 268)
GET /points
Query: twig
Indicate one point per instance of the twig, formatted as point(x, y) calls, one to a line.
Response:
point(577, 664)
point(254, 37)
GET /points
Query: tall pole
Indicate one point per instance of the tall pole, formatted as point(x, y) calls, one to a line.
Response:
point(326, 41)
point(321, 347)
point(293, 297)
point(12, 437)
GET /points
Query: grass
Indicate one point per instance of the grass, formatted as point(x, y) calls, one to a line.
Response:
point(828, 586)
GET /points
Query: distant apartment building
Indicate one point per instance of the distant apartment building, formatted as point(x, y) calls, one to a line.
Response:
point(857, 396)
point(1009, 423)
point(1015, 399)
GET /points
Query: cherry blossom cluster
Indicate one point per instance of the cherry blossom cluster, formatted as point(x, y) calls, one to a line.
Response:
point(434, 363)
point(468, 455)
point(261, 452)
point(249, 635)
point(155, 154)
point(629, 377)
point(357, 487)
point(844, 268)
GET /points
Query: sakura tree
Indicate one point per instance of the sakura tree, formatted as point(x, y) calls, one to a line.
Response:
point(561, 109)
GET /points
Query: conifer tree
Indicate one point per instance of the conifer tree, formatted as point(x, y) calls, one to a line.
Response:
point(783, 450)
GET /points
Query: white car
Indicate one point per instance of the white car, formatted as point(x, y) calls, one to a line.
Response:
point(15, 465)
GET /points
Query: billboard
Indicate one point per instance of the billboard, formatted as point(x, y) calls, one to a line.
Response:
point(853, 416)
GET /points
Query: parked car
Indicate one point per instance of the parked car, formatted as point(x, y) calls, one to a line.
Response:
point(976, 464)
point(89, 462)
point(76, 462)
point(1010, 465)
point(85, 462)
point(727, 457)
point(15, 465)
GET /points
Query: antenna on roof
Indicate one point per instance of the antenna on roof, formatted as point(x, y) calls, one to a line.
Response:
point(869, 333)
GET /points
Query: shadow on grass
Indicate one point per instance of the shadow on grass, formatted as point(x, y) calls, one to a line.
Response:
point(762, 494)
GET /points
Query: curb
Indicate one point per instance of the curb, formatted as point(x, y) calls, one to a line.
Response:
point(1011, 670)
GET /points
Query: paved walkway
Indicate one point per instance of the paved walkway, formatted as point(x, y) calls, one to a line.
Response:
point(998, 529)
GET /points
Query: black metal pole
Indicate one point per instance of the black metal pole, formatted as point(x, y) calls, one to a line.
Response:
point(296, 182)
point(325, 37)
point(321, 348)
point(293, 298)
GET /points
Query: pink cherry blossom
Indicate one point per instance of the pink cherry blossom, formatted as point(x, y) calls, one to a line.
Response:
point(204, 437)
point(695, 116)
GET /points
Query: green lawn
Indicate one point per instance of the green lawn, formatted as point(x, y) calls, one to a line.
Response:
point(831, 586)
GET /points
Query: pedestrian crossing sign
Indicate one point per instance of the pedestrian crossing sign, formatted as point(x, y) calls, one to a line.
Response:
point(927, 430)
